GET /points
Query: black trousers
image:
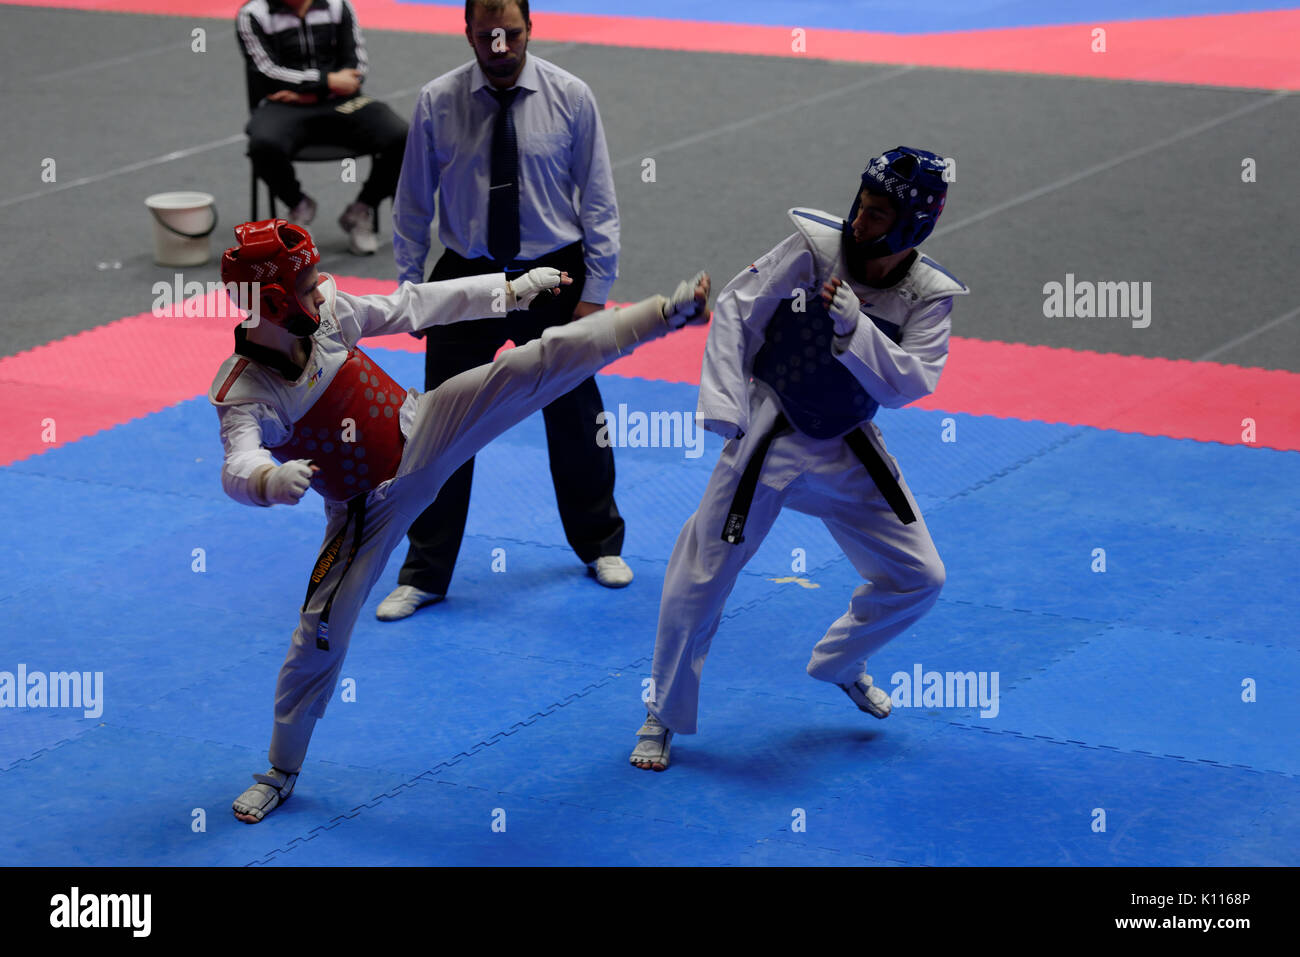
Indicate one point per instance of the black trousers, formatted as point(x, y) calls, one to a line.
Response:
point(277, 130)
point(581, 470)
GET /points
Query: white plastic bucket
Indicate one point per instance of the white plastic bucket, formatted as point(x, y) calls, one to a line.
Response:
point(182, 223)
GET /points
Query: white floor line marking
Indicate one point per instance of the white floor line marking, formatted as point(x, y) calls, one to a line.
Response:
point(1249, 335)
point(130, 168)
point(115, 61)
point(760, 117)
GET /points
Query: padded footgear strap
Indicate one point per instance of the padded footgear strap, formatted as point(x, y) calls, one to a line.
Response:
point(874, 701)
point(733, 530)
point(271, 790)
point(653, 744)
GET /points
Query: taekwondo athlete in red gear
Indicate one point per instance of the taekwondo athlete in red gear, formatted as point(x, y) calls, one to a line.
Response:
point(836, 320)
point(299, 390)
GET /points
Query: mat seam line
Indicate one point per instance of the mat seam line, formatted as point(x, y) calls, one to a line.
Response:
point(1183, 759)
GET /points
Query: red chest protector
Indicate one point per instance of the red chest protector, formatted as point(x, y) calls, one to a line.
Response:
point(353, 457)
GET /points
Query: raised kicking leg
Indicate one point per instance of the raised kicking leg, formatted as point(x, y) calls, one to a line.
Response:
point(452, 423)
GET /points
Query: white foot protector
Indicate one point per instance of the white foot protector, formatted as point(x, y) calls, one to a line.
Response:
point(271, 790)
point(869, 698)
point(653, 743)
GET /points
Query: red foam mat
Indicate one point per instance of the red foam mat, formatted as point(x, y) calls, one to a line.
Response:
point(141, 364)
point(1206, 401)
point(1256, 50)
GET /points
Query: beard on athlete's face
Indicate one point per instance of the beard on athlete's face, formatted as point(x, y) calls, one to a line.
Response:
point(499, 64)
point(876, 217)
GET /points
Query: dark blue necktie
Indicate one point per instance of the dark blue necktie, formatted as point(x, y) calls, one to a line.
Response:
point(503, 195)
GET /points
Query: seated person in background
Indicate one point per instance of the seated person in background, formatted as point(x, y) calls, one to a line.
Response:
point(306, 62)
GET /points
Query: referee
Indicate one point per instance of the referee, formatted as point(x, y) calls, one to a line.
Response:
point(510, 148)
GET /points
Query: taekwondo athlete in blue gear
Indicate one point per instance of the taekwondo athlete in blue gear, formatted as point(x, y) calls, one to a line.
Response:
point(838, 319)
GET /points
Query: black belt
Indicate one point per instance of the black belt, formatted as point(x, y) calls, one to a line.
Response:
point(357, 510)
point(861, 447)
point(880, 474)
point(744, 497)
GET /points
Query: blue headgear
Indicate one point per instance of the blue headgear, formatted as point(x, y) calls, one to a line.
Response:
point(913, 182)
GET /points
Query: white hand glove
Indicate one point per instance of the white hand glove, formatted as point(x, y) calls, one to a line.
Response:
point(688, 303)
point(844, 310)
point(528, 286)
point(289, 482)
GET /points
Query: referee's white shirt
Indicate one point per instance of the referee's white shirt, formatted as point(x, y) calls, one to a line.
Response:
point(566, 185)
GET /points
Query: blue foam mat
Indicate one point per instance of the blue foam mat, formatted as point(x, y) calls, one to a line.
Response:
point(522, 690)
point(1173, 695)
point(126, 798)
point(971, 798)
point(1151, 480)
point(441, 822)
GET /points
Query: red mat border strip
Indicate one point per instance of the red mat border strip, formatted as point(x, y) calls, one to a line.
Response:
point(104, 377)
point(1251, 50)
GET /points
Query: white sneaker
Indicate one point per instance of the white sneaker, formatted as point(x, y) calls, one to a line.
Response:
point(611, 571)
point(304, 212)
point(403, 602)
point(358, 222)
point(874, 701)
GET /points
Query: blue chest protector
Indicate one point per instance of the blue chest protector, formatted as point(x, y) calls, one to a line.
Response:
point(818, 395)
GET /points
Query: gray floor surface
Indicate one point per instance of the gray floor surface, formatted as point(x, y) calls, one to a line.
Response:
point(1108, 181)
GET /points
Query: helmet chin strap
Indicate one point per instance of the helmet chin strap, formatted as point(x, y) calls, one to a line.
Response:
point(305, 320)
point(300, 324)
point(296, 320)
point(295, 323)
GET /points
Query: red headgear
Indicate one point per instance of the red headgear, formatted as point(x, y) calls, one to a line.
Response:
point(273, 253)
